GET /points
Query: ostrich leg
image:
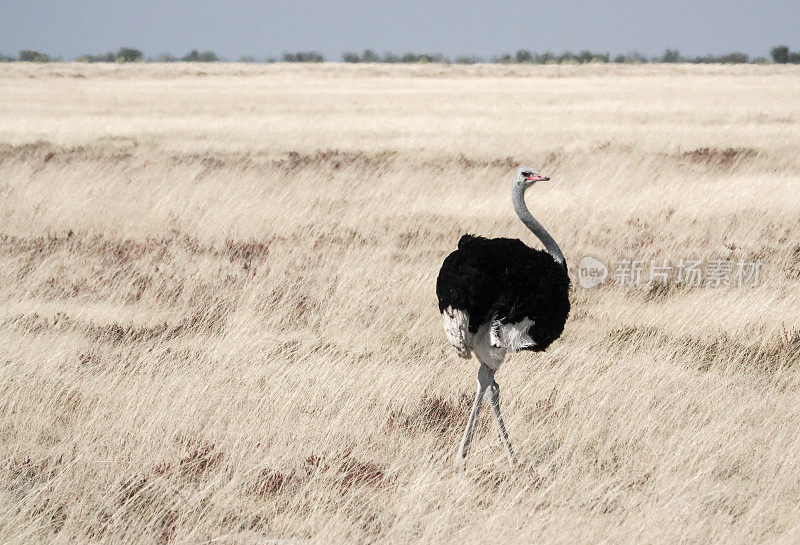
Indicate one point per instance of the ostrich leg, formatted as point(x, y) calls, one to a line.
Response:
point(485, 379)
point(494, 401)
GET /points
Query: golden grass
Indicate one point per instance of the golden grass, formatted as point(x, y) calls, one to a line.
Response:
point(218, 320)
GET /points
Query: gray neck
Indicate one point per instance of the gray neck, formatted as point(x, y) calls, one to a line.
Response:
point(518, 198)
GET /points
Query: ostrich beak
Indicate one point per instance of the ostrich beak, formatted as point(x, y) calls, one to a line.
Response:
point(537, 178)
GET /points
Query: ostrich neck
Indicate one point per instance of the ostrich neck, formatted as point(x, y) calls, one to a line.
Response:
point(518, 198)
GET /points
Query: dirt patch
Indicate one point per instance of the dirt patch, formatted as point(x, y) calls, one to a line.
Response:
point(718, 157)
point(209, 321)
point(120, 251)
point(436, 414)
point(200, 458)
point(354, 472)
point(507, 162)
point(794, 262)
point(343, 238)
point(127, 152)
point(335, 159)
point(24, 471)
point(246, 250)
point(131, 487)
point(770, 355)
point(343, 470)
point(270, 482)
point(40, 153)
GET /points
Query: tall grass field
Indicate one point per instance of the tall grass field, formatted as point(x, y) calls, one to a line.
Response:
point(218, 321)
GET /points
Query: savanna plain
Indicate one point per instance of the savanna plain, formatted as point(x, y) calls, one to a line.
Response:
point(218, 321)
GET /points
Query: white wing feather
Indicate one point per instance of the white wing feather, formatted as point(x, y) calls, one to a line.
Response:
point(515, 337)
point(456, 328)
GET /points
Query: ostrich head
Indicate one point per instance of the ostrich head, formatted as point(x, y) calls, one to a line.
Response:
point(526, 177)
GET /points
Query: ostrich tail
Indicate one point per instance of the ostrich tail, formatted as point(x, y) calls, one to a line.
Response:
point(466, 239)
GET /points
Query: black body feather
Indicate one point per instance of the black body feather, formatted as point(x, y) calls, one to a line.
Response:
point(504, 278)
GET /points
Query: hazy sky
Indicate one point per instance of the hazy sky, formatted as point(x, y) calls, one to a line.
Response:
point(237, 27)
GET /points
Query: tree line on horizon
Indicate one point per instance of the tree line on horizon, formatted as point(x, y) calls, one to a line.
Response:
point(779, 54)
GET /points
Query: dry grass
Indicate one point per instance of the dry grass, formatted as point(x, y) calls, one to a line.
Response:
point(218, 318)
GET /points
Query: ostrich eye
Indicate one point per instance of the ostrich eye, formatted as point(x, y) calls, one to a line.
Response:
point(526, 173)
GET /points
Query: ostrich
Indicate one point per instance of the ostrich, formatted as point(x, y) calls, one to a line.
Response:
point(497, 295)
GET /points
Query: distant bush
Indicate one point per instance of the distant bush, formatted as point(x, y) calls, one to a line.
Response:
point(462, 59)
point(523, 55)
point(125, 54)
point(586, 56)
point(128, 54)
point(632, 57)
point(601, 57)
point(670, 56)
point(200, 56)
point(303, 56)
point(780, 54)
point(27, 55)
point(370, 56)
point(105, 57)
point(734, 58)
point(426, 57)
point(674, 56)
point(545, 58)
point(728, 58)
point(350, 56)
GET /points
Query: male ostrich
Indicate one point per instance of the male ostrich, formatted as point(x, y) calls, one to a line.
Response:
point(497, 295)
